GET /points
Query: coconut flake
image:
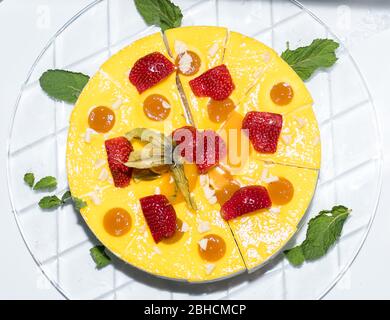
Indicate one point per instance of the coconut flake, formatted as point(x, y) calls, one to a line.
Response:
point(185, 227)
point(185, 63)
point(203, 244)
point(301, 122)
point(88, 133)
point(95, 198)
point(157, 190)
point(180, 47)
point(209, 268)
point(116, 105)
point(103, 174)
point(271, 179)
point(157, 250)
point(274, 210)
point(213, 49)
point(99, 163)
point(203, 226)
point(166, 105)
point(286, 139)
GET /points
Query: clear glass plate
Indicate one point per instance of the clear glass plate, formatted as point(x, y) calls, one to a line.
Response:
point(60, 241)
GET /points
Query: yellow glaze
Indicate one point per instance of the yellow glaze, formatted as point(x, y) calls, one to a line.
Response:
point(209, 44)
point(251, 239)
point(262, 234)
point(247, 60)
point(110, 87)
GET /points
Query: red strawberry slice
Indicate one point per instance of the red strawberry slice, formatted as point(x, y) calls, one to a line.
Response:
point(160, 216)
point(214, 149)
point(215, 83)
point(264, 130)
point(150, 70)
point(205, 148)
point(245, 200)
point(118, 151)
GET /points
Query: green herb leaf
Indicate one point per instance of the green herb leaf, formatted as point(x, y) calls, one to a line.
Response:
point(306, 60)
point(322, 233)
point(46, 183)
point(295, 256)
point(63, 85)
point(144, 175)
point(66, 196)
point(162, 13)
point(78, 203)
point(100, 256)
point(29, 179)
point(50, 202)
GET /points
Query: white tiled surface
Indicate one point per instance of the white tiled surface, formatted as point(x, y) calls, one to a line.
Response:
point(365, 31)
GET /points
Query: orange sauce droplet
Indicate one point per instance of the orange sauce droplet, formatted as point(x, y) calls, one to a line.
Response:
point(157, 107)
point(282, 94)
point(117, 222)
point(195, 63)
point(101, 119)
point(281, 191)
point(226, 193)
point(219, 110)
point(177, 235)
point(215, 249)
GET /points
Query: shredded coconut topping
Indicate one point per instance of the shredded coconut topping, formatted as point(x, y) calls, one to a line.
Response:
point(213, 49)
point(203, 244)
point(185, 63)
point(203, 226)
point(180, 47)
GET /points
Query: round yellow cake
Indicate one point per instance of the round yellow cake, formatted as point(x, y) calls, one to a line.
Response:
point(251, 239)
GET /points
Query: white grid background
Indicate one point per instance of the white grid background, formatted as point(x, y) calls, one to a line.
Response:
point(60, 242)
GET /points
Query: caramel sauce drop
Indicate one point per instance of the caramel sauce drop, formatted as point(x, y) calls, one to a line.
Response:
point(177, 235)
point(101, 119)
point(157, 107)
point(226, 193)
point(117, 222)
point(195, 63)
point(223, 183)
point(282, 94)
point(281, 191)
point(215, 249)
point(219, 110)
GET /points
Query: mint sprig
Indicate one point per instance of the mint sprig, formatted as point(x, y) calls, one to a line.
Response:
point(321, 53)
point(162, 13)
point(63, 85)
point(54, 202)
point(46, 183)
point(100, 256)
point(29, 178)
point(322, 233)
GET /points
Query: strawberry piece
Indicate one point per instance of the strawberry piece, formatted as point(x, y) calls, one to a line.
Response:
point(205, 148)
point(245, 200)
point(160, 216)
point(215, 83)
point(214, 149)
point(150, 70)
point(264, 130)
point(118, 151)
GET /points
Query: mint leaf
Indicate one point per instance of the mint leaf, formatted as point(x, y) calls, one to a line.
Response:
point(78, 203)
point(295, 256)
point(66, 196)
point(322, 233)
point(306, 60)
point(63, 85)
point(100, 256)
point(50, 202)
point(162, 13)
point(45, 183)
point(29, 179)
